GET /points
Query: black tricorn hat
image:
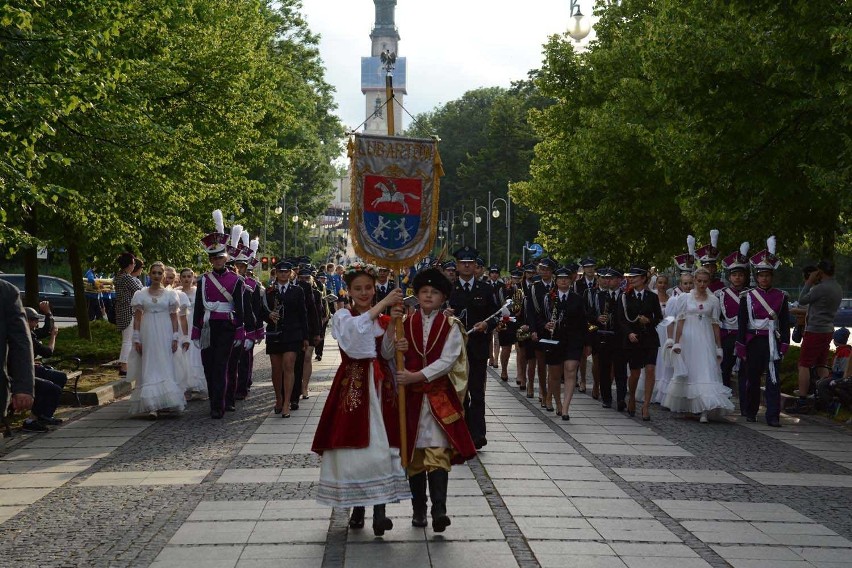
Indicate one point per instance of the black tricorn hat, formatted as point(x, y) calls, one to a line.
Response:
point(432, 277)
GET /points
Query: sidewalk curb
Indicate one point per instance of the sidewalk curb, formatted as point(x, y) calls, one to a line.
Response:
point(106, 393)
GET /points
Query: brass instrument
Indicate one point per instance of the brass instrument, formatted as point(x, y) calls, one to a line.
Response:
point(515, 309)
point(554, 319)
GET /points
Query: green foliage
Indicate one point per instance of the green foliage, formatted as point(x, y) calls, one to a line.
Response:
point(126, 123)
point(684, 116)
point(104, 346)
point(486, 143)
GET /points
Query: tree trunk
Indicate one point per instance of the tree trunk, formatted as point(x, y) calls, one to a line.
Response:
point(31, 263)
point(80, 308)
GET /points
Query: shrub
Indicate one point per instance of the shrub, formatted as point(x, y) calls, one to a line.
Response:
point(105, 345)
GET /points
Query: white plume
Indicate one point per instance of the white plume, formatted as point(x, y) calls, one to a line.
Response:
point(714, 237)
point(218, 221)
point(770, 244)
point(254, 245)
point(690, 245)
point(744, 248)
point(235, 235)
point(244, 238)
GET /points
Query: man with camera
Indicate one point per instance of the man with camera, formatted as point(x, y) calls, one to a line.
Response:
point(822, 295)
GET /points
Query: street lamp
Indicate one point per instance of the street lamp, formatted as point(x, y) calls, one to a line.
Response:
point(280, 209)
point(496, 214)
point(578, 25)
point(477, 219)
point(466, 224)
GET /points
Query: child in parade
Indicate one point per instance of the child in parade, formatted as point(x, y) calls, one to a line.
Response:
point(358, 433)
point(437, 434)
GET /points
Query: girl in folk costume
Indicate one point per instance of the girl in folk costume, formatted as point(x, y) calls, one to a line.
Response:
point(696, 385)
point(155, 341)
point(435, 379)
point(358, 433)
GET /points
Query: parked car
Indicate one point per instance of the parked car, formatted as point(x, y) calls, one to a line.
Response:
point(59, 292)
point(844, 314)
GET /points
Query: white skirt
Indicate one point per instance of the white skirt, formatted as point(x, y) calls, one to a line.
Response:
point(360, 477)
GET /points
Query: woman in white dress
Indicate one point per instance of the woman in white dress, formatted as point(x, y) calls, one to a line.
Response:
point(191, 377)
point(358, 433)
point(696, 386)
point(666, 330)
point(156, 339)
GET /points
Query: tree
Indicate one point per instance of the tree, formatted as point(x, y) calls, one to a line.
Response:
point(687, 116)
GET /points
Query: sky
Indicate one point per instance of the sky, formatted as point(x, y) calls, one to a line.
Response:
point(451, 46)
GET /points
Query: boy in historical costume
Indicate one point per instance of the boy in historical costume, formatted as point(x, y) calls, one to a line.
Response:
point(435, 377)
point(736, 266)
point(764, 335)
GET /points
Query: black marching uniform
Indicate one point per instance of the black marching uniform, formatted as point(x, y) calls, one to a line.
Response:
point(571, 327)
point(473, 305)
point(608, 344)
point(312, 301)
point(630, 307)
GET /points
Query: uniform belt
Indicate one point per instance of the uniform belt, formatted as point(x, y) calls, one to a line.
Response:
point(759, 331)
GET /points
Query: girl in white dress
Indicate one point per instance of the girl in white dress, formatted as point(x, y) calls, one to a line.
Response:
point(696, 385)
point(155, 341)
point(666, 330)
point(192, 375)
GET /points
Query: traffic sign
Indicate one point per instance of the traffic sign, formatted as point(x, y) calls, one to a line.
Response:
point(536, 249)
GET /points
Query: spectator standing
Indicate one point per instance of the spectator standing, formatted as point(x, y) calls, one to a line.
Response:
point(822, 295)
point(93, 296)
point(17, 371)
point(125, 286)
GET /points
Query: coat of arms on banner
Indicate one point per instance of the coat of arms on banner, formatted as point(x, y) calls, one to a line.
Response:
point(395, 189)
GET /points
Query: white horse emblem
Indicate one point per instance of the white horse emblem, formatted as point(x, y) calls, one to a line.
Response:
point(392, 195)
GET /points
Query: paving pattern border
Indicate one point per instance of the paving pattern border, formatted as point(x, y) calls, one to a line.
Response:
point(690, 540)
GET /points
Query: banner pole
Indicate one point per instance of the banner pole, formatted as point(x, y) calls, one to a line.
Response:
point(398, 330)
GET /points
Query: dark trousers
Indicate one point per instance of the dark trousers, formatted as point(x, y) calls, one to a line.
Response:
point(58, 378)
point(729, 359)
point(319, 347)
point(216, 360)
point(606, 351)
point(474, 403)
point(46, 398)
point(298, 369)
point(244, 372)
point(619, 369)
point(757, 362)
point(233, 375)
point(94, 305)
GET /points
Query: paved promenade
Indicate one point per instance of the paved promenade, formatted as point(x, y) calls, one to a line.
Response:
point(601, 490)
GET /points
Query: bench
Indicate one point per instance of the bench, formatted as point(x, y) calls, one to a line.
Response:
point(71, 367)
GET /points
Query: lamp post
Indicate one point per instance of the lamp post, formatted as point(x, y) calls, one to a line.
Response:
point(496, 214)
point(477, 219)
point(578, 25)
point(282, 209)
point(466, 224)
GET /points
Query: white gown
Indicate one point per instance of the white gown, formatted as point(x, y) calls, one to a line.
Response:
point(191, 374)
point(351, 477)
point(664, 361)
point(155, 370)
point(696, 384)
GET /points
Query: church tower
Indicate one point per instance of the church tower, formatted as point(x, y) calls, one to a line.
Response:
point(385, 37)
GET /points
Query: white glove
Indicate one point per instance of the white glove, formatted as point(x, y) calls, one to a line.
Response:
point(248, 345)
point(669, 343)
point(197, 343)
point(676, 347)
point(719, 353)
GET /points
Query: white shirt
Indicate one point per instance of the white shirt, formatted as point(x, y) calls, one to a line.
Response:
point(467, 283)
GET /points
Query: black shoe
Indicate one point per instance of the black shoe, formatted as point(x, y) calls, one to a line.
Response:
point(318, 358)
point(606, 405)
point(751, 419)
point(122, 373)
point(622, 406)
point(565, 417)
point(417, 484)
point(631, 413)
point(216, 415)
point(380, 521)
point(356, 520)
point(480, 443)
point(530, 395)
point(50, 421)
point(34, 426)
point(773, 423)
point(294, 406)
point(230, 408)
point(240, 397)
point(548, 408)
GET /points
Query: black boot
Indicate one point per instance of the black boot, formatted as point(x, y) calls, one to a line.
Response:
point(356, 520)
point(380, 522)
point(438, 493)
point(417, 484)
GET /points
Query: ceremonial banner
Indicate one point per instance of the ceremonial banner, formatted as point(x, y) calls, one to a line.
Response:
point(395, 188)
